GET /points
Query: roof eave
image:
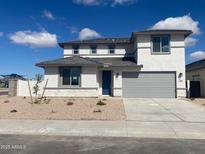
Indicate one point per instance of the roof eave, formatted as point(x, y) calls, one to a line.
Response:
point(61, 45)
point(165, 31)
point(61, 65)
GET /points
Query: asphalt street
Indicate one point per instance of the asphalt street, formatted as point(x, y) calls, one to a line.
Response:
point(28, 144)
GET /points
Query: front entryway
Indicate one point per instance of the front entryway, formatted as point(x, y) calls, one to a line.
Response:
point(106, 82)
point(195, 90)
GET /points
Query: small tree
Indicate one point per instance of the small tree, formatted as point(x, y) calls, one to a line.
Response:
point(36, 87)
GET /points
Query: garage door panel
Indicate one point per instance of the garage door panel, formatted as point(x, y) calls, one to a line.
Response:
point(148, 83)
point(146, 75)
point(151, 80)
point(150, 94)
point(151, 84)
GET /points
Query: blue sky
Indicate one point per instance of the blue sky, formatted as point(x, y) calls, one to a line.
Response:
point(30, 29)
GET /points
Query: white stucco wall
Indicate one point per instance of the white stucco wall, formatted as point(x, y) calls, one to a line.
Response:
point(175, 61)
point(23, 88)
point(89, 84)
point(52, 74)
point(89, 77)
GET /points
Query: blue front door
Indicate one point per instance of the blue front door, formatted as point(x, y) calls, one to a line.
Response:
point(106, 82)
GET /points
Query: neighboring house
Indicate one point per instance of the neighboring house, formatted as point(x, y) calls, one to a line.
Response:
point(4, 82)
point(150, 63)
point(195, 72)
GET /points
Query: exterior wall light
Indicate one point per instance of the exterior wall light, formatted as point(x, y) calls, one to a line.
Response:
point(117, 75)
point(180, 77)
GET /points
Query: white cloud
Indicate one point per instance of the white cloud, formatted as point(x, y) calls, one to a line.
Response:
point(34, 39)
point(190, 41)
point(88, 33)
point(123, 2)
point(87, 2)
point(1, 34)
point(73, 30)
point(103, 2)
point(197, 55)
point(184, 22)
point(48, 15)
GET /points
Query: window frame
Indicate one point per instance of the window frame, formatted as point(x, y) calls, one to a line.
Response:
point(75, 48)
point(160, 52)
point(70, 77)
point(93, 48)
point(111, 47)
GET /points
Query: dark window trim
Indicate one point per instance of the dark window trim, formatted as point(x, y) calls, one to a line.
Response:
point(111, 47)
point(75, 47)
point(160, 52)
point(93, 47)
point(60, 80)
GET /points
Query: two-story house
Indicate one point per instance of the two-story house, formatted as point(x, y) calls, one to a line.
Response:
point(150, 63)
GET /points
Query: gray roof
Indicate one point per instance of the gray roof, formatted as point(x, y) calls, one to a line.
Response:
point(73, 61)
point(196, 65)
point(182, 31)
point(125, 40)
point(82, 61)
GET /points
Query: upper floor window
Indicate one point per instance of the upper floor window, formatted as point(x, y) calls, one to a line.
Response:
point(93, 49)
point(161, 44)
point(111, 49)
point(75, 50)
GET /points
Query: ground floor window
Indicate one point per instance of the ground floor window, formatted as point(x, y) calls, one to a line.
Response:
point(70, 76)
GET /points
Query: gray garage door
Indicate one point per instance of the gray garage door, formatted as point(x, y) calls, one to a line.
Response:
point(148, 85)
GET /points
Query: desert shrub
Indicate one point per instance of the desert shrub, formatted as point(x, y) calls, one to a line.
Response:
point(6, 101)
point(52, 111)
point(47, 101)
point(36, 87)
point(13, 111)
point(69, 103)
point(100, 103)
point(37, 101)
point(97, 110)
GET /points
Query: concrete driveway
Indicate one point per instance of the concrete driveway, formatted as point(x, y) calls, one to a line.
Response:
point(163, 110)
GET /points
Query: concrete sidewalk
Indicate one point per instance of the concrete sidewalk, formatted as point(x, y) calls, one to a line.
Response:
point(182, 130)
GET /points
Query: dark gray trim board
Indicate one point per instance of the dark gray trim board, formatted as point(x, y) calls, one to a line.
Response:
point(95, 55)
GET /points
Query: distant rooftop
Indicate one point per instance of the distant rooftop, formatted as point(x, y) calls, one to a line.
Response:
point(196, 65)
point(125, 40)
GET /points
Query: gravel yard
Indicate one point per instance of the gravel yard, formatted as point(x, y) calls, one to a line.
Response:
point(62, 108)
